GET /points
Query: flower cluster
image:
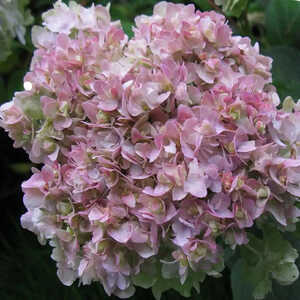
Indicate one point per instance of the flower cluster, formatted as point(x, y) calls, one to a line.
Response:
point(157, 151)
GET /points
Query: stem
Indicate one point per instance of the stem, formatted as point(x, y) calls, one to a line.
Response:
point(214, 6)
point(245, 26)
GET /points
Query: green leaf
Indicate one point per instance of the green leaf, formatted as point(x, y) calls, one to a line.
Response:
point(148, 275)
point(277, 250)
point(249, 282)
point(233, 8)
point(127, 27)
point(263, 287)
point(286, 70)
point(143, 280)
point(163, 284)
point(203, 5)
point(242, 287)
point(283, 22)
point(286, 273)
point(262, 260)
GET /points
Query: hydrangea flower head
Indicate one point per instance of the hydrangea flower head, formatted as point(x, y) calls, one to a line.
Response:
point(157, 152)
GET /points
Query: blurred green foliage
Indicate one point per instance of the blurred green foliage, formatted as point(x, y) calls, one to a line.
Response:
point(262, 260)
point(273, 23)
point(14, 17)
point(233, 8)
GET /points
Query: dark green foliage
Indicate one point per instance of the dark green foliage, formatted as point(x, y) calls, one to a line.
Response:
point(286, 70)
point(283, 22)
point(263, 260)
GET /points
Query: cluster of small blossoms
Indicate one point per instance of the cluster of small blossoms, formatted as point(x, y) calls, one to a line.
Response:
point(165, 148)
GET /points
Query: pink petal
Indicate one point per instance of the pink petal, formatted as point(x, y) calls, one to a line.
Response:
point(158, 191)
point(247, 146)
point(122, 233)
point(129, 200)
point(195, 183)
point(95, 214)
point(98, 234)
point(144, 250)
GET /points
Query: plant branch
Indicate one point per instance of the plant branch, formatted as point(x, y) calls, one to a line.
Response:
point(214, 5)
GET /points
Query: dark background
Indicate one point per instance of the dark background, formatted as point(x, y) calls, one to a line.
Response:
point(26, 269)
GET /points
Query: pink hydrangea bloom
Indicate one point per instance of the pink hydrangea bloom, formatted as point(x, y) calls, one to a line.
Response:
point(154, 149)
